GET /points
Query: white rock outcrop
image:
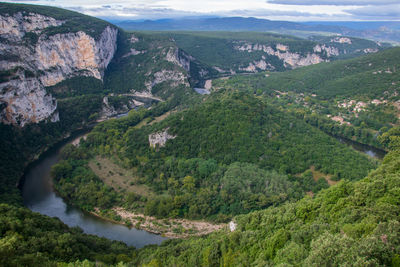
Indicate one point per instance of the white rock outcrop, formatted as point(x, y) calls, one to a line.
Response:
point(341, 40)
point(232, 226)
point(65, 54)
point(182, 61)
point(15, 27)
point(291, 59)
point(30, 66)
point(329, 50)
point(176, 78)
point(160, 138)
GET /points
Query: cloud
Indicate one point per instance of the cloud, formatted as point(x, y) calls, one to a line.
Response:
point(134, 12)
point(271, 12)
point(390, 12)
point(292, 10)
point(334, 3)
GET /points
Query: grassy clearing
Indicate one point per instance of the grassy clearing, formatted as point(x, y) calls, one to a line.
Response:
point(120, 179)
point(149, 121)
point(318, 175)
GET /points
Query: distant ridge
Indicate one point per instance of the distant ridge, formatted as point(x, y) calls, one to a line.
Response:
point(224, 24)
point(379, 31)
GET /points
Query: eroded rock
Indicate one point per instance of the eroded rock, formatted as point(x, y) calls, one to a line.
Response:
point(159, 139)
point(45, 61)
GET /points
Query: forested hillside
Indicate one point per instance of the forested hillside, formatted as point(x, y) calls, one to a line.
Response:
point(218, 158)
point(372, 76)
point(349, 224)
point(240, 52)
point(254, 151)
point(356, 98)
point(374, 30)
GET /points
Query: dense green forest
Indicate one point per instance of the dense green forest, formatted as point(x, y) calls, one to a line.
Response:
point(369, 76)
point(31, 239)
point(217, 49)
point(355, 98)
point(349, 224)
point(232, 154)
point(241, 154)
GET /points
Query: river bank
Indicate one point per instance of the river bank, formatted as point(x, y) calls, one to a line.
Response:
point(170, 227)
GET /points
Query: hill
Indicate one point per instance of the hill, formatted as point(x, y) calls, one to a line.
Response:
point(188, 156)
point(210, 161)
point(370, 76)
point(356, 98)
point(351, 223)
point(387, 31)
point(248, 52)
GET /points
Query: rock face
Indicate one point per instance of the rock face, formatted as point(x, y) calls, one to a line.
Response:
point(174, 77)
point(180, 59)
point(160, 138)
point(187, 62)
point(341, 40)
point(16, 26)
point(290, 59)
point(232, 226)
point(30, 60)
point(329, 50)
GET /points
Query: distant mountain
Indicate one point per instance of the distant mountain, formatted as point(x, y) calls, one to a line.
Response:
point(379, 31)
point(224, 24)
point(358, 25)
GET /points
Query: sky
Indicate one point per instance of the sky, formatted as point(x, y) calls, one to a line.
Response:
point(292, 10)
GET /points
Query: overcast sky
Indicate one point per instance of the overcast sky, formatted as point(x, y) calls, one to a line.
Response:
point(293, 10)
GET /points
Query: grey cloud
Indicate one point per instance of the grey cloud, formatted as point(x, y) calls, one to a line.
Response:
point(390, 12)
point(158, 13)
point(270, 12)
point(334, 3)
point(136, 13)
point(11, 1)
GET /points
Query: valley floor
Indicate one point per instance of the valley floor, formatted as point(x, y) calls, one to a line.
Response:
point(123, 180)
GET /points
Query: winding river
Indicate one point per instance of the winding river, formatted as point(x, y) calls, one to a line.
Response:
point(366, 149)
point(38, 195)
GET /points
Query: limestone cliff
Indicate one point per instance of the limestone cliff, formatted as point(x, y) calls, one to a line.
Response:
point(32, 58)
point(196, 72)
point(289, 58)
point(160, 138)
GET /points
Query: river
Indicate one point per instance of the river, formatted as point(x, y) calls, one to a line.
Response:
point(39, 196)
point(368, 150)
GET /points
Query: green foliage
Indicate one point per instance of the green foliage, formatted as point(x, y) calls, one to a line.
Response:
point(245, 129)
point(76, 111)
point(31, 239)
point(233, 154)
point(369, 75)
point(76, 86)
point(246, 187)
point(316, 92)
point(135, 63)
point(218, 165)
point(349, 224)
point(217, 49)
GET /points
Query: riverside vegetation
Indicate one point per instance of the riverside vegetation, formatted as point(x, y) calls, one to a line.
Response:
point(241, 154)
point(232, 154)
